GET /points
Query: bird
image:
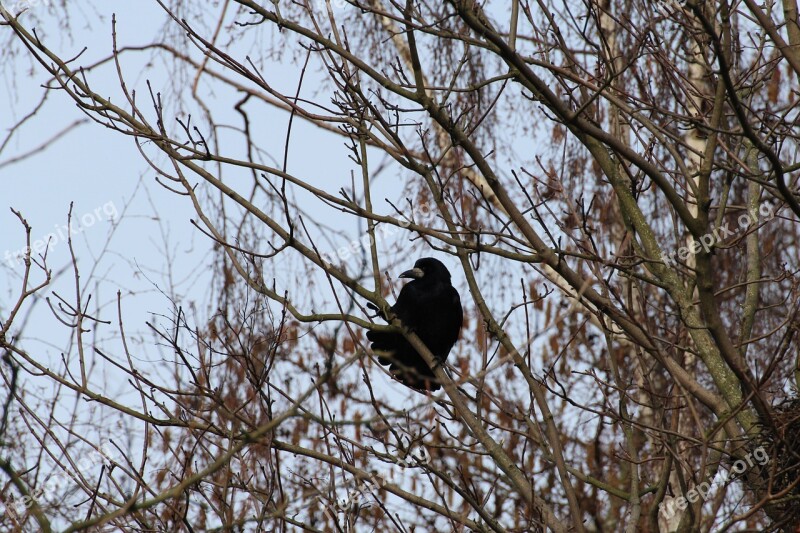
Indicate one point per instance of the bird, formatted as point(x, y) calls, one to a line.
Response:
point(429, 306)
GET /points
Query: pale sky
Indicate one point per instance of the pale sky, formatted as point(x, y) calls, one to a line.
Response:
point(102, 172)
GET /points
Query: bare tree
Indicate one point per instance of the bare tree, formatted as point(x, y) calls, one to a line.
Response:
point(617, 183)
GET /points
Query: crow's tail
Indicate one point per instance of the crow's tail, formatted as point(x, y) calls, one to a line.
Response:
point(405, 364)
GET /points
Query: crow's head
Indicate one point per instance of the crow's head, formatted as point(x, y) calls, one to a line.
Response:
point(428, 271)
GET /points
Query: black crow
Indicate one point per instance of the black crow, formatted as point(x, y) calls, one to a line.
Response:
point(430, 307)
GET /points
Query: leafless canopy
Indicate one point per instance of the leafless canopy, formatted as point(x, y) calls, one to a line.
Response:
point(613, 184)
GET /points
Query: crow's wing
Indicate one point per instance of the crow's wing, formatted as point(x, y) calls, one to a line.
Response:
point(435, 315)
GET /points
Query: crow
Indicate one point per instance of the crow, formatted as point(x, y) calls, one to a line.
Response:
point(430, 307)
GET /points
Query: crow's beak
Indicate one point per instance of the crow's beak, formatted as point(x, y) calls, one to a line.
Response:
point(415, 273)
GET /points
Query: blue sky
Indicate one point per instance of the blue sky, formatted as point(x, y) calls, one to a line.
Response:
point(149, 248)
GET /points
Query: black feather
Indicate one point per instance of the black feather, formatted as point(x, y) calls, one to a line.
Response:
point(430, 307)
